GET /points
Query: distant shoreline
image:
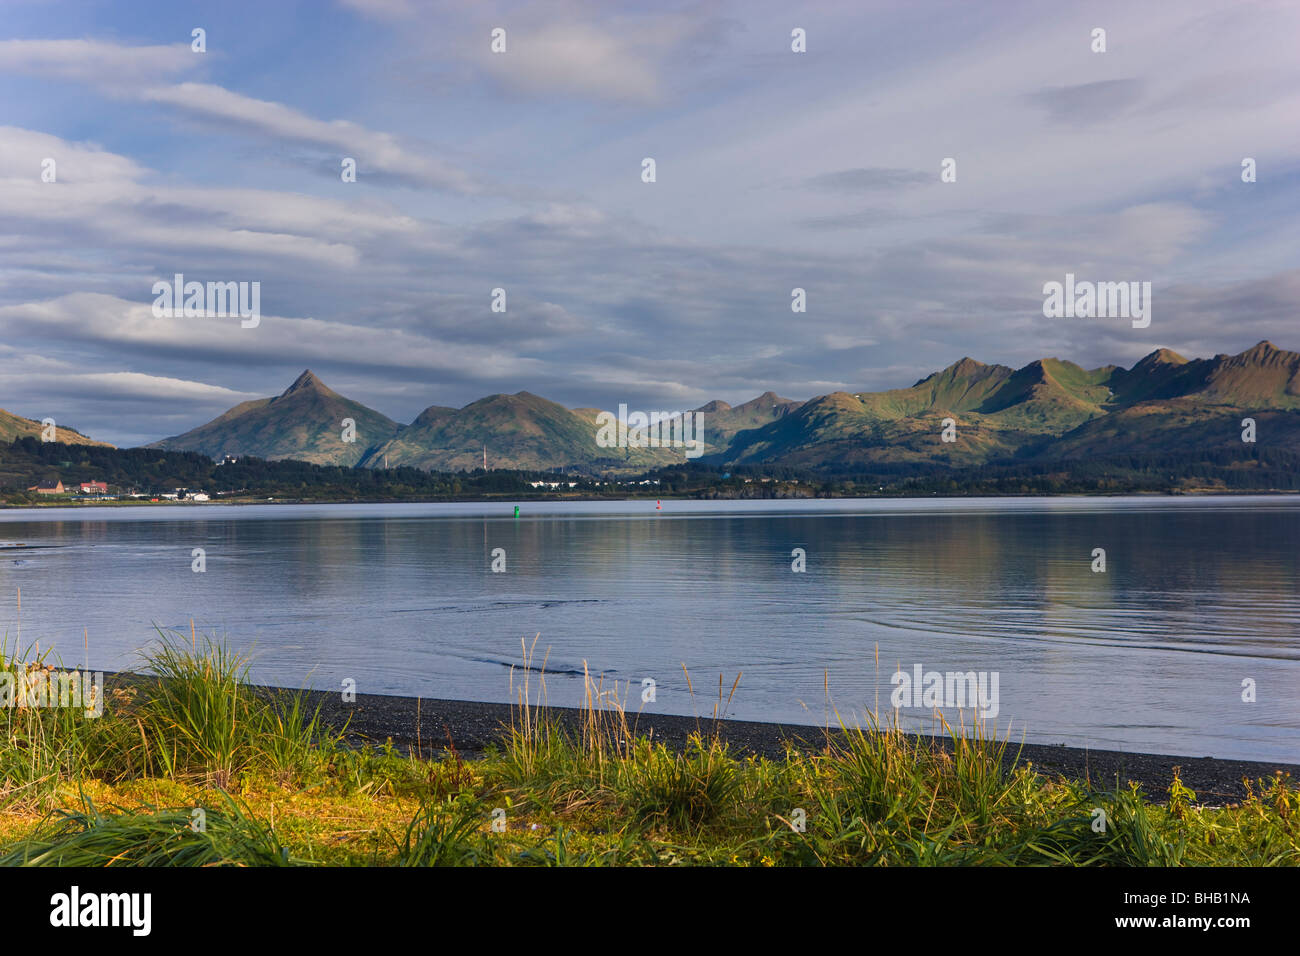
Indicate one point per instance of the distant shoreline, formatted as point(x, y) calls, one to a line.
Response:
point(1206, 493)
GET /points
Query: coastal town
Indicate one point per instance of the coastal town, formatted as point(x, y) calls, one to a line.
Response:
point(100, 491)
point(103, 491)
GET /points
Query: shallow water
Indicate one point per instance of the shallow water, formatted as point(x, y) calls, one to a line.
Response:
point(1199, 594)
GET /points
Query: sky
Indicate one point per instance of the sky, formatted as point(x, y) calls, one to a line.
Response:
point(523, 170)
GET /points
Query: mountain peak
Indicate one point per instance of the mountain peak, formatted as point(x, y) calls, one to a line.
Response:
point(767, 400)
point(965, 371)
point(307, 381)
point(1263, 354)
point(1161, 357)
point(1261, 349)
point(965, 366)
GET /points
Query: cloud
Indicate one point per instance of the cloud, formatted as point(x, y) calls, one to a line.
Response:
point(22, 153)
point(106, 200)
point(872, 218)
point(1140, 236)
point(97, 62)
point(142, 387)
point(776, 170)
point(125, 408)
point(581, 59)
point(82, 317)
point(374, 151)
point(132, 71)
point(1089, 102)
point(870, 178)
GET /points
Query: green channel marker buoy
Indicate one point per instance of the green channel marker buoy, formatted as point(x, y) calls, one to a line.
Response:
point(516, 511)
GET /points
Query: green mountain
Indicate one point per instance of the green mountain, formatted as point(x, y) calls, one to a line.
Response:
point(1169, 404)
point(723, 422)
point(1048, 410)
point(522, 431)
point(305, 422)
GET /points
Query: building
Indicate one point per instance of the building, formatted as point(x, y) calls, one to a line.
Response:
point(94, 488)
point(49, 488)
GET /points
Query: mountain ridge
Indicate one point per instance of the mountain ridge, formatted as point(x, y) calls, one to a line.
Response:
point(16, 426)
point(1049, 408)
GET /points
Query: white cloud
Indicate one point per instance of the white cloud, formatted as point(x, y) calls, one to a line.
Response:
point(374, 151)
point(133, 71)
point(132, 385)
point(23, 151)
point(83, 317)
point(105, 198)
point(620, 288)
point(582, 59)
point(96, 61)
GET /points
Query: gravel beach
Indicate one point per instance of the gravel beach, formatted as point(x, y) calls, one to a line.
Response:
point(473, 725)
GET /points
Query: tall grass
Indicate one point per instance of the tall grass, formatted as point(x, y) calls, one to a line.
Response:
point(200, 716)
point(872, 795)
point(589, 789)
point(228, 836)
point(680, 790)
point(42, 747)
point(193, 717)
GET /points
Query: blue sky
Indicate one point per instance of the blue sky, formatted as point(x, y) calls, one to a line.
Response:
point(522, 170)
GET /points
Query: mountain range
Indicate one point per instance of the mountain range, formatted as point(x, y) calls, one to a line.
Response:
point(1047, 410)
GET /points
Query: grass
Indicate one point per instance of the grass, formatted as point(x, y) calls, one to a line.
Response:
point(276, 788)
point(221, 836)
point(200, 718)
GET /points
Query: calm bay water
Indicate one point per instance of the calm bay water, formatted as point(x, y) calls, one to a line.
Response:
point(1199, 594)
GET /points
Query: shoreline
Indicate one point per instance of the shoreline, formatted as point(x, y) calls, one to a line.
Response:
point(245, 502)
point(474, 725)
point(277, 785)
